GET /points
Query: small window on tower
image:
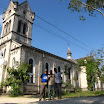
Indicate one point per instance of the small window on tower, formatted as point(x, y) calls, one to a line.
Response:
point(4, 52)
point(24, 28)
point(9, 11)
point(9, 26)
point(19, 26)
point(5, 30)
point(24, 13)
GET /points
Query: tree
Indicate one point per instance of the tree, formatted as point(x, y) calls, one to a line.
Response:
point(90, 6)
point(92, 69)
point(99, 56)
point(68, 86)
point(16, 77)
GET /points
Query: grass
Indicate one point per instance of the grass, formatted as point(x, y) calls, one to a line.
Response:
point(83, 94)
point(70, 95)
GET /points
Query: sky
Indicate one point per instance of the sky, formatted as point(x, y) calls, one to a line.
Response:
point(81, 36)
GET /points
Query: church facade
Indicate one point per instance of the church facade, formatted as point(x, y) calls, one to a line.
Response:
point(15, 47)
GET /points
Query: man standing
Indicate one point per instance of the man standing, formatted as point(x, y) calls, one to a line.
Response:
point(51, 85)
point(43, 84)
point(58, 82)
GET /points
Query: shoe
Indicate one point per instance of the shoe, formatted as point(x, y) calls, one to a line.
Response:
point(50, 99)
point(44, 99)
point(39, 99)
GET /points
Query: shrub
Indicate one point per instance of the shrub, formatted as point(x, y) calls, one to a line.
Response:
point(78, 89)
point(15, 78)
point(15, 91)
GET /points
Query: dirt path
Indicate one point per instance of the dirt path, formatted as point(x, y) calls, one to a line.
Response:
point(23, 99)
point(30, 99)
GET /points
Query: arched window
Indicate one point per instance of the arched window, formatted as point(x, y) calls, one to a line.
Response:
point(13, 61)
point(24, 28)
point(31, 67)
point(19, 26)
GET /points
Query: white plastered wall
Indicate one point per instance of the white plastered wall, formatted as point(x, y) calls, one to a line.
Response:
point(15, 54)
point(83, 78)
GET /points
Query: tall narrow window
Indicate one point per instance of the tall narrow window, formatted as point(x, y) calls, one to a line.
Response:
point(47, 67)
point(13, 62)
point(24, 28)
point(9, 25)
point(4, 52)
point(19, 26)
point(31, 70)
point(31, 67)
point(6, 28)
point(76, 75)
point(24, 13)
point(69, 74)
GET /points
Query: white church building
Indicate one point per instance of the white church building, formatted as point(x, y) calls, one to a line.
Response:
point(15, 48)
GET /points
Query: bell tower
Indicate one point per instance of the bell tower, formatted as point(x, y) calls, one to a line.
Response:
point(17, 23)
point(69, 54)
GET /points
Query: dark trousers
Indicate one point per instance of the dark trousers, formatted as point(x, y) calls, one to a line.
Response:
point(58, 90)
point(43, 91)
point(51, 87)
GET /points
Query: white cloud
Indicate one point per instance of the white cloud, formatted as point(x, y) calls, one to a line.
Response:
point(1, 21)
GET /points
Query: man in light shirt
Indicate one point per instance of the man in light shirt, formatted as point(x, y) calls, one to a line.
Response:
point(58, 82)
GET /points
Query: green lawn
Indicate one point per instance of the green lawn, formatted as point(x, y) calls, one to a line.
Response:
point(83, 94)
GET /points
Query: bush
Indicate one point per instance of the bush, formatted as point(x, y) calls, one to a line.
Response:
point(67, 86)
point(15, 78)
point(15, 91)
point(77, 89)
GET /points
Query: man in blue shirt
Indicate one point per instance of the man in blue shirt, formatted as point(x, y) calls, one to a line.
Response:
point(43, 84)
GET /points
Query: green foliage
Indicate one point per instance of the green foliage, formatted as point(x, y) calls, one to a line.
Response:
point(83, 94)
point(16, 77)
point(77, 89)
point(99, 56)
point(90, 6)
point(92, 67)
point(15, 90)
point(79, 64)
point(75, 78)
point(67, 86)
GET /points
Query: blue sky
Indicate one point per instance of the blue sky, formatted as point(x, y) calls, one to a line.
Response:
point(89, 32)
